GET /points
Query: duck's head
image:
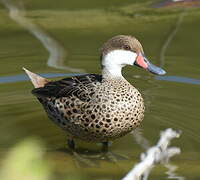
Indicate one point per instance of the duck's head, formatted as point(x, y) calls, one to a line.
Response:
point(124, 50)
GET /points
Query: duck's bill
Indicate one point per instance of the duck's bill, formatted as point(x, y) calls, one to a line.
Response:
point(143, 62)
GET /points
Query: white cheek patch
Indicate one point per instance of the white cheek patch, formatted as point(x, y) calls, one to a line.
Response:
point(115, 60)
point(120, 57)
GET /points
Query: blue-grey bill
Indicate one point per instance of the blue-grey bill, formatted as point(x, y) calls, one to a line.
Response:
point(143, 62)
point(155, 70)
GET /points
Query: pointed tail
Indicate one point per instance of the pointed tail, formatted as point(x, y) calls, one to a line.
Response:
point(37, 80)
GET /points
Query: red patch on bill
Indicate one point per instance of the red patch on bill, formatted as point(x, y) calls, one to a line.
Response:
point(140, 61)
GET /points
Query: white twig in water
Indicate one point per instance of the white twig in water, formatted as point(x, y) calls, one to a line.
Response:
point(157, 154)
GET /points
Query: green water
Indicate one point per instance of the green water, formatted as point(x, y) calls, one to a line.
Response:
point(81, 27)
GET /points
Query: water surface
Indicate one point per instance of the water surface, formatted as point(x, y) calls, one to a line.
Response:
point(81, 28)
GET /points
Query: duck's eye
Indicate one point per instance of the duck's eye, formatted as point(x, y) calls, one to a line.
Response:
point(127, 47)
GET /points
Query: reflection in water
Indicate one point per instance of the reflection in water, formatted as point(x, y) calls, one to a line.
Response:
point(85, 157)
point(140, 139)
point(18, 78)
point(178, 79)
point(170, 38)
point(171, 172)
point(57, 53)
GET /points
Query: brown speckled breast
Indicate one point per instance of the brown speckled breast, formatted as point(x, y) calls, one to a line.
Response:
point(111, 108)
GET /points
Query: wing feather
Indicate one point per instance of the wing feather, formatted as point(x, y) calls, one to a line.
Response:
point(80, 86)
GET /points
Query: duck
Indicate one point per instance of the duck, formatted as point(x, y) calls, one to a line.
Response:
point(97, 108)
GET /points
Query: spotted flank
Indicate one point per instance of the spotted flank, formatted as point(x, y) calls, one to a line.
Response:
point(92, 108)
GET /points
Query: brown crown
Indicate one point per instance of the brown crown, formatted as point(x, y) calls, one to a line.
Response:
point(121, 42)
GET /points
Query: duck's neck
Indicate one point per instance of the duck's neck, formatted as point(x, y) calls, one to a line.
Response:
point(113, 71)
point(111, 65)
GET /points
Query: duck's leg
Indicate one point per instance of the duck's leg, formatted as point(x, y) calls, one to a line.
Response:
point(81, 161)
point(110, 155)
point(71, 144)
point(105, 146)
